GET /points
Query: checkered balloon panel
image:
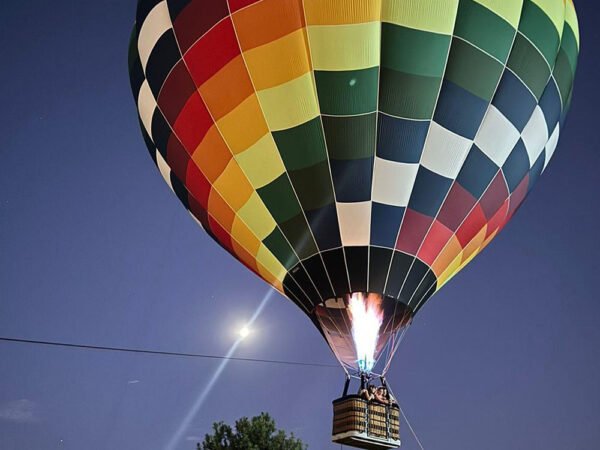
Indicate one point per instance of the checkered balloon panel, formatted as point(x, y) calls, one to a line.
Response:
point(337, 146)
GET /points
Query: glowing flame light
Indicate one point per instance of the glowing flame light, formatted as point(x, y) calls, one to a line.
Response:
point(367, 317)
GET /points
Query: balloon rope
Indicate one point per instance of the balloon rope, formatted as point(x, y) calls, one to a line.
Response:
point(348, 327)
point(412, 430)
point(345, 369)
point(395, 346)
point(388, 350)
point(331, 319)
point(390, 343)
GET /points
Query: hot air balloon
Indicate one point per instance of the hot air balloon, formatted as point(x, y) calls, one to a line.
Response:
point(354, 154)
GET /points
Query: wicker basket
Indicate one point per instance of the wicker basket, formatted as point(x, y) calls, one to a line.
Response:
point(363, 424)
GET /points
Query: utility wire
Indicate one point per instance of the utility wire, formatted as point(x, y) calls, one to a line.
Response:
point(187, 355)
point(163, 353)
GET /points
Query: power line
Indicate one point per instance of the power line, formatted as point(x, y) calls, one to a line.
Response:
point(163, 353)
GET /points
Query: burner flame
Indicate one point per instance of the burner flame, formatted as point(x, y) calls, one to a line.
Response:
point(367, 316)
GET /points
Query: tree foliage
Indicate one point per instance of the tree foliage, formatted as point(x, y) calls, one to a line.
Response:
point(257, 433)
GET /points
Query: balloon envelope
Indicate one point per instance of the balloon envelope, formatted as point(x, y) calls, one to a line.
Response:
point(347, 148)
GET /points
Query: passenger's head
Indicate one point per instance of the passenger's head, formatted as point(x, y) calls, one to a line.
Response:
point(371, 388)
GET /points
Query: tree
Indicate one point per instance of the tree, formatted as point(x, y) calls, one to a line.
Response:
point(257, 433)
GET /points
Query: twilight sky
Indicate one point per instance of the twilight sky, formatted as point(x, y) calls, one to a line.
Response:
point(95, 249)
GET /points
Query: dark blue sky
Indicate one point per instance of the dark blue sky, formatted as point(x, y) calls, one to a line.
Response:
point(94, 248)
